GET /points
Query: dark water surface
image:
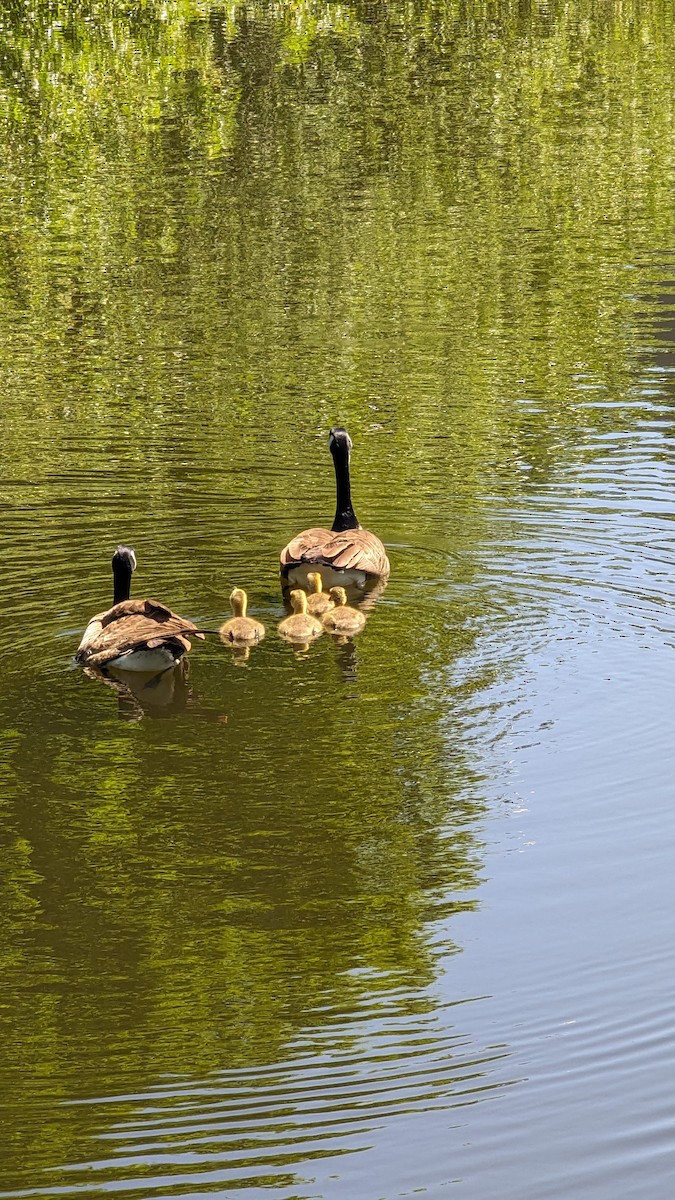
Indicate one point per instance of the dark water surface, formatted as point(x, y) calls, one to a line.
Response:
point(392, 917)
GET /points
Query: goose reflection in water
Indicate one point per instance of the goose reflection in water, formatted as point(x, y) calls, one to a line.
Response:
point(157, 695)
point(346, 657)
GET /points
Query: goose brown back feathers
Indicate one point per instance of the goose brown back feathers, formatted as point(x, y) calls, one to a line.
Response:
point(352, 549)
point(134, 625)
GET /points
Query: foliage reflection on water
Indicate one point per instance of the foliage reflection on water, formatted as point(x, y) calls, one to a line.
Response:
point(223, 228)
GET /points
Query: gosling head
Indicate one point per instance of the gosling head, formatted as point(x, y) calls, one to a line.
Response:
point(238, 601)
point(339, 595)
point(314, 581)
point(298, 600)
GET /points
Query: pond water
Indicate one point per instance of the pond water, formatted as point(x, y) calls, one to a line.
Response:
point(392, 916)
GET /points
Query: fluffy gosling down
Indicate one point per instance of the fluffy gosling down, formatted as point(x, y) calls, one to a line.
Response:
point(301, 626)
point(241, 630)
point(318, 602)
point(342, 618)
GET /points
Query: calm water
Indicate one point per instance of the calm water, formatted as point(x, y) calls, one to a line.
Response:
point(392, 917)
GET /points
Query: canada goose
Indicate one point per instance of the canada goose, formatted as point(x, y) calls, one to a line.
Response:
point(318, 602)
point(346, 554)
point(241, 630)
point(301, 626)
point(342, 618)
point(136, 635)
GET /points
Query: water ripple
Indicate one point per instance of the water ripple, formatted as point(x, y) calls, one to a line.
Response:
point(247, 1128)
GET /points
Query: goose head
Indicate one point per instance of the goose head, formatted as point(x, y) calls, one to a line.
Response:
point(339, 442)
point(123, 567)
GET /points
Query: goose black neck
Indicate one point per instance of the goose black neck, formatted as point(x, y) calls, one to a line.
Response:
point(121, 581)
point(345, 517)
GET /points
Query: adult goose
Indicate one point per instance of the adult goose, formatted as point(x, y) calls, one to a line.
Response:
point(345, 555)
point(134, 635)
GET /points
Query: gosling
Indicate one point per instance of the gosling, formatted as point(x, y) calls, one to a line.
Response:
point(241, 630)
point(301, 626)
point(318, 602)
point(342, 618)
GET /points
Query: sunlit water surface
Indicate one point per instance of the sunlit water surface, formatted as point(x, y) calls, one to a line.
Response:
point(384, 918)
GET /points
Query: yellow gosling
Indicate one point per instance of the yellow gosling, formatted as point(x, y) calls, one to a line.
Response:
point(301, 626)
point(343, 618)
point(241, 630)
point(318, 601)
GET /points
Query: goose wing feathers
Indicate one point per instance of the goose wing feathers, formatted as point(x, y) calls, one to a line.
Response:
point(131, 625)
point(353, 549)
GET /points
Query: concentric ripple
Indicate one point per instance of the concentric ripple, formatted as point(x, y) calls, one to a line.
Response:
point(339, 1088)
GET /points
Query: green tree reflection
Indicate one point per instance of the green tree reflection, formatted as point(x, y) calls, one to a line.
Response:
point(220, 226)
